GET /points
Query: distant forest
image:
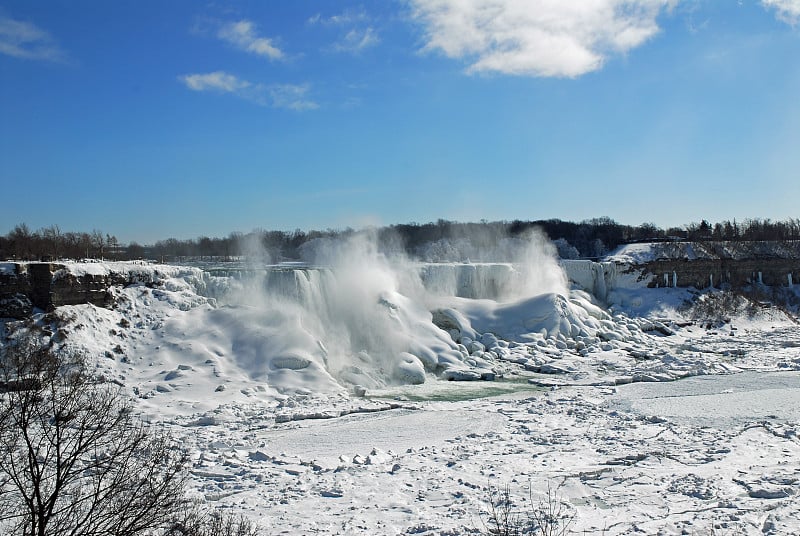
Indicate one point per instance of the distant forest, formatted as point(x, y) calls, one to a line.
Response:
point(587, 239)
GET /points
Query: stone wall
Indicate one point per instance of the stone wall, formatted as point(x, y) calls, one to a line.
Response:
point(705, 273)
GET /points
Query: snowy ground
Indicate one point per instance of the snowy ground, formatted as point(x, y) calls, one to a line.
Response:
point(640, 418)
point(651, 458)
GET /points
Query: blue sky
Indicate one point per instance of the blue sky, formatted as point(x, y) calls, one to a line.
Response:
point(150, 120)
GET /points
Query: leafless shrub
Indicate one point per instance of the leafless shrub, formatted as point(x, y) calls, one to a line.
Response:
point(549, 516)
point(195, 521)
point(504, 519)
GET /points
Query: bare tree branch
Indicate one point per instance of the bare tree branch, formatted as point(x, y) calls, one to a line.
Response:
point(74, 459)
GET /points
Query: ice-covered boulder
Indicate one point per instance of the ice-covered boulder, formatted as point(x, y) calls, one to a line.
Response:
point(409, 369)
point(450, 319)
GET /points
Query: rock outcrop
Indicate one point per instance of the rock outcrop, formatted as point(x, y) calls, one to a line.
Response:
point(705, 273)
point(15, 292)
point(45, 286)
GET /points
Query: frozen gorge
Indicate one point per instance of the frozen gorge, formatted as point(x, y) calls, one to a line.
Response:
point(314, 397)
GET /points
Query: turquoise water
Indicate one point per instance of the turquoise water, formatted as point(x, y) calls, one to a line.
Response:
point(444, 391)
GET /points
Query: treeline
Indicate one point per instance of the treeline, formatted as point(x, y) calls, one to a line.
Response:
point(749, 230)
point(52, 243)
point(276, 245)
point(599, 236)
point(589, 238)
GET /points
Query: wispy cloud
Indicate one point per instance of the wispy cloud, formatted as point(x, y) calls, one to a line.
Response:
point(355, 33)
point(287, 96)
point(357, 40)
point(242, 34)
point(292, 97)
point(27, 41)
point(786, 10)
point(346, 18)
point(547, 38)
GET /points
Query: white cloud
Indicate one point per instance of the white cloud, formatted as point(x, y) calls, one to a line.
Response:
point(357, 40)
point(549, 38)
point(217, 81)
point(354, 33)
point(242, 35)
point(288, 96)
point(787, 10)
point(27, 41)
point(342, 19)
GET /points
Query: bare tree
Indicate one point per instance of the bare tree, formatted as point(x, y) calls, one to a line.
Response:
point(113, 244)
point(21, 239)
point(98, 243)
point(52, 240)
point(85, 244)
point(74, 459)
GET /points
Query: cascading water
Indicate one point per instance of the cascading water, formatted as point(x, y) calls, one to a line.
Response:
point(354, 315)
point(475, 281)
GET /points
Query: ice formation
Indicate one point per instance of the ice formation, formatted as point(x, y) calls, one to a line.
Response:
point(352, 317)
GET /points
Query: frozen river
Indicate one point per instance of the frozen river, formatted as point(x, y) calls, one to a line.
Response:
point(717, 401)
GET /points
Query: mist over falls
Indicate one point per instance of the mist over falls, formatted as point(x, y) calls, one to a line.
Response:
point(355, 315)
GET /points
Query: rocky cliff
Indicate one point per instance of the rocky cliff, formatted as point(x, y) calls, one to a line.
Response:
point(16, 291)
point(25, 286)
point(28, 286)
point(705, 273)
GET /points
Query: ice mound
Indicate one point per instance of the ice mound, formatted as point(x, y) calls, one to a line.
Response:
point(548, 315)
point(287, 347)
